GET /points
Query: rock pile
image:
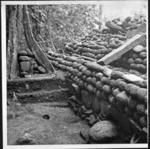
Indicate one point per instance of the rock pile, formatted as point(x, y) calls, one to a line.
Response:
point(28, 65)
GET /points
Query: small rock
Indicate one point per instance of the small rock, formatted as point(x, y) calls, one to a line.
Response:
point(73, 106)
point(88, 112)
point(83, 116)
point(35, 65)
point(85, 135)
point(74, 99)
point(24, 58)
point(76, 88)
point(26, 139)
point(23, 73)
point(29, 53)
point(103, 130)
point(25, 66)
point(138, 48)
point(83, 108)
point(22, 53)
point(91, 119)
point(87, 98)
point(28, 76)
point(41, 69)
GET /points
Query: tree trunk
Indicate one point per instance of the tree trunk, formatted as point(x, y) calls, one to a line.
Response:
point(12, 44)
point(33, 44)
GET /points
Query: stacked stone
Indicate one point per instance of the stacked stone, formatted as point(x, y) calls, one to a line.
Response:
point(105, 84)
point(135, 60)
point(27, 64)
point(99, 43)
point(98, 46)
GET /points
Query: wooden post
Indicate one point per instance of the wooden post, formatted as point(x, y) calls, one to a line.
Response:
point(117, 53)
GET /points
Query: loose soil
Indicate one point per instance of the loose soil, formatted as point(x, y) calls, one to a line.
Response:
point(62, 127)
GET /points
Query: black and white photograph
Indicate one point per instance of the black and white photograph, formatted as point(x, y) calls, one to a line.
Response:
point(75, 74)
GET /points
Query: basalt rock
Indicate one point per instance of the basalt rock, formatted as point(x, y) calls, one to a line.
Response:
point(41, 69)
point(25, 66)
point(103, 130)
point(24, 58)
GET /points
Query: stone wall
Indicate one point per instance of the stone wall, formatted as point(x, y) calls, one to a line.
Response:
point(106, 92)
point(28, 64)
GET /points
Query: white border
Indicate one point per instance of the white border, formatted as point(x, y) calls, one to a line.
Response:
point(57, 2)
point(4, 81)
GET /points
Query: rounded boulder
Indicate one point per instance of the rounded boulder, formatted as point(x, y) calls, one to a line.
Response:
point(103, 130)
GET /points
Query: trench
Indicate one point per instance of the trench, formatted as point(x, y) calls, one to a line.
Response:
point(62, 127)
point(42, 111)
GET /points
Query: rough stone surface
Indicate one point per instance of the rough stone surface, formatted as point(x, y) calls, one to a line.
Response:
point(41, 69)
point(24, 58)
point(23, 73)
point(29, 52)
point(87, 98)
point(102, 130)
point(26, 139)
point(22, 53)
point(138, 48)
point(25, 66)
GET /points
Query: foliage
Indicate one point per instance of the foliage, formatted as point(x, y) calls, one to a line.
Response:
point(59, 24)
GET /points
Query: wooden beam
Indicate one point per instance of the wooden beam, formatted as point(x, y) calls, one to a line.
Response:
point(117, 53)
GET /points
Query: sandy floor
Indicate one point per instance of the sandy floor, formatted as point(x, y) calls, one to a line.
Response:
point(63, 127)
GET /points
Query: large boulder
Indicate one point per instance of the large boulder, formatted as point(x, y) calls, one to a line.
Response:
point(103, 130)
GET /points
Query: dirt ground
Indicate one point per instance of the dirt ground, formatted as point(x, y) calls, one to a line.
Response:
point(62, 127)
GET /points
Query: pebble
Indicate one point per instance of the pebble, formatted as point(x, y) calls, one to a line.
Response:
point(26, 139)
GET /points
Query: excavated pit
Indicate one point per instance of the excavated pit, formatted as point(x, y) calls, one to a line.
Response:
point(44, 110)
point(41, 111)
